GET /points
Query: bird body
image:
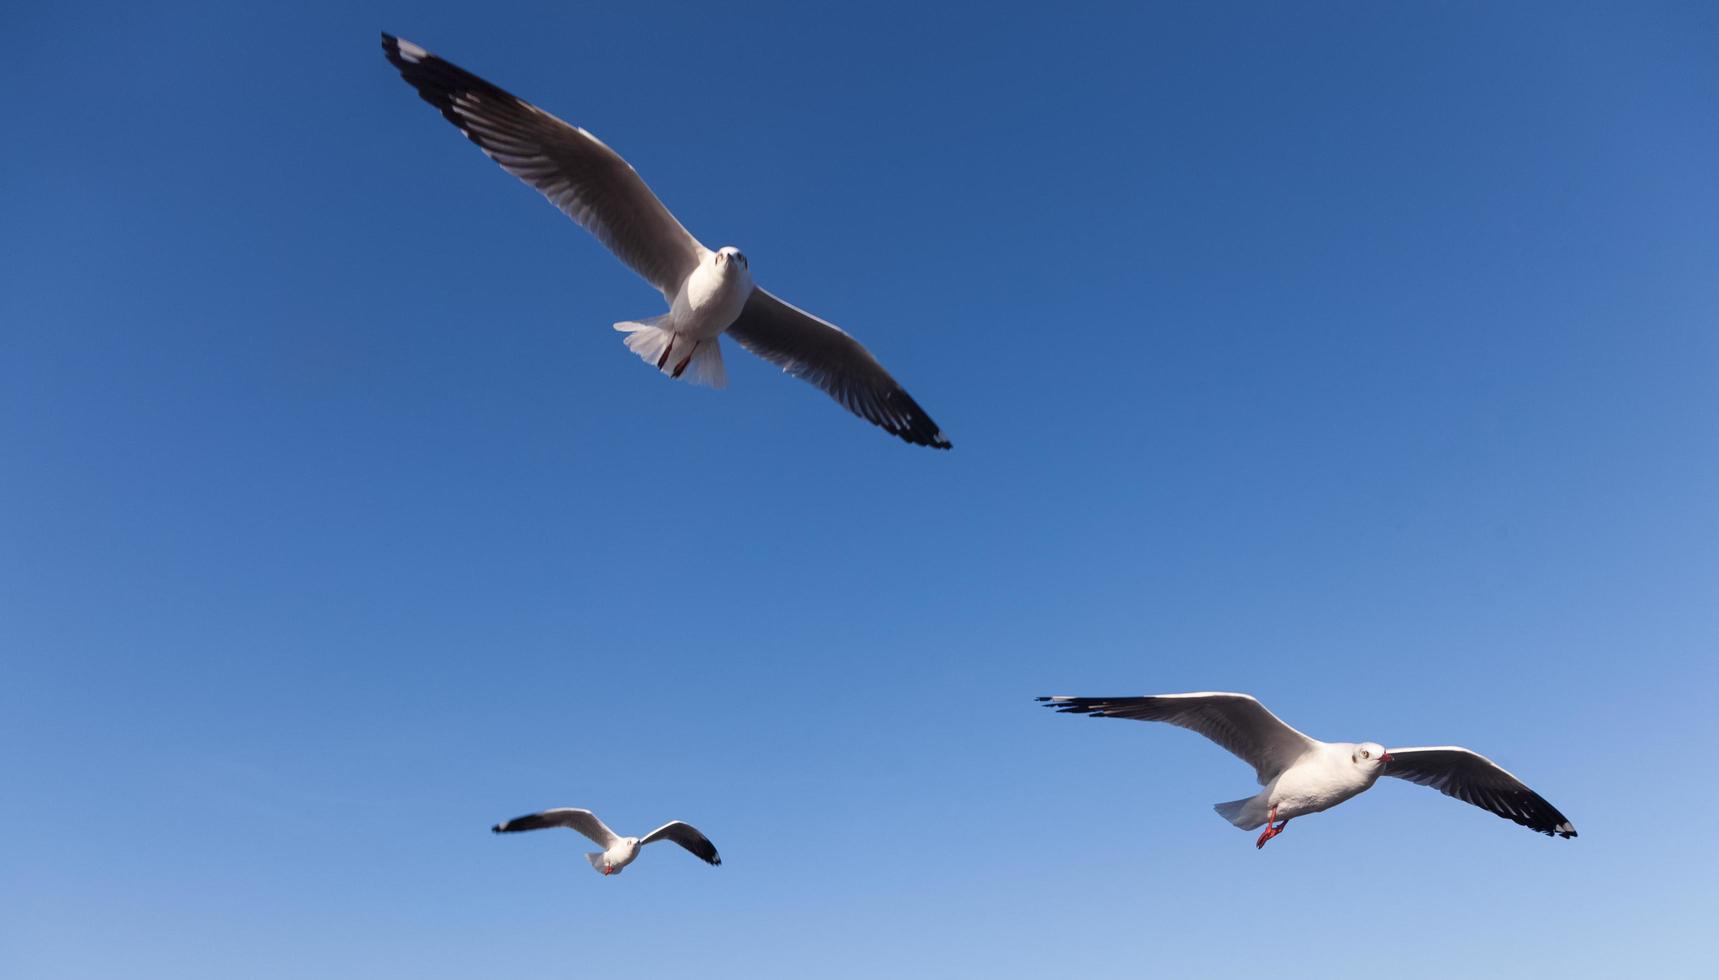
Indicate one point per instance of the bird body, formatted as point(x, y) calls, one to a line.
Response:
point(1303, 775)
point(706, 304)
point(613, 859)
point(1319, 780)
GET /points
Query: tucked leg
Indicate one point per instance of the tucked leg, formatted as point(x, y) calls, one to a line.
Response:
point(680, 368)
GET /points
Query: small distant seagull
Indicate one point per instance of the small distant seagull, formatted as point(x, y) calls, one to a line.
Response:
point(1304, 775)
point(617, 852)
point(708, 292)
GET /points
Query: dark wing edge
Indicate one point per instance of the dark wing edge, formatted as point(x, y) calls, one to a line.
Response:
point(563, 162)
point(687, 836)
point(817, 351)
point(1468, 776)
point(531, 821)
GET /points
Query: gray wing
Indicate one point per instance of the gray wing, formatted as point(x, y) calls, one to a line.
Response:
point(1235, 721)
point(687, 836)
point(584, 821)
point(818, 351)
point(579, 175)
point(1473, 778)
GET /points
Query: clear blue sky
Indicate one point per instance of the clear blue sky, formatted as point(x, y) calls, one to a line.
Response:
point(1361, 356)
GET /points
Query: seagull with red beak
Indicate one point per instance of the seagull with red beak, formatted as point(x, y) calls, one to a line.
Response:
point(1303, 775)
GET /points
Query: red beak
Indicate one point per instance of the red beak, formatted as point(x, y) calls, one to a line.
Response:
point(1386, 757)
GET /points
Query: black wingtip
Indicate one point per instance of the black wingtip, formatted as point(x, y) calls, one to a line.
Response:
point(404, 54)
point(922, 431)
point(499, 828)
point(899, 415)
point(391, 51)
point(1066, 705)
point(934, 441)
point(918, 437)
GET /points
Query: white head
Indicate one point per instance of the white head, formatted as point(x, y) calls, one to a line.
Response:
point(1370, 756)
point(730, 257)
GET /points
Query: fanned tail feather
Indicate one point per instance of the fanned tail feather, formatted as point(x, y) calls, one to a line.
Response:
point(697, 361)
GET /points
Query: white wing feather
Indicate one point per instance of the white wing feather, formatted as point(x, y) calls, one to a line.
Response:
point(580, 175)
point(687, 836)
point(1237, 722)
point(584, 821)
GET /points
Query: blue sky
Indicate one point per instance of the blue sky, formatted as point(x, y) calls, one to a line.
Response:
point(1360, 356)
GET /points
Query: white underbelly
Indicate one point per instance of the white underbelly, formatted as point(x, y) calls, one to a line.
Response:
point(1294, 797)
point(710, 302)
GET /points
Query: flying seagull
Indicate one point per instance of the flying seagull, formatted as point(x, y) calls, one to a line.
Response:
point(708, 292)
point(617, 852)
point(1304, 775)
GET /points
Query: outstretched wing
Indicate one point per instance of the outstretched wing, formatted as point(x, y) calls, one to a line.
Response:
point(1235, 721)
point(1473, 778)
point(584, 821)
point(818, 351)
point(687, 836)
point(579, 175)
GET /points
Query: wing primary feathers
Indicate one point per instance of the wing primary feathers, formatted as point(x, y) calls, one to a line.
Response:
point(1474, 779)
point(1238, 723)
point(573, 818)
point(576, 171)
point(687, 836)
point(821, 353)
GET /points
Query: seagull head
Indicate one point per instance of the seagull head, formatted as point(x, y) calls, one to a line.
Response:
point(729, 254)
point(1370, 756)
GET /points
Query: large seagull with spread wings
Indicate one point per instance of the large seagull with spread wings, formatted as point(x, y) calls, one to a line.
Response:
point(709, 292)
point(1303, 775)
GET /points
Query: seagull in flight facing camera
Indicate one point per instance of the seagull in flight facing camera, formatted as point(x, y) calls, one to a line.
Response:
point(617, 852)
point(1303, 775)
point(709, 292)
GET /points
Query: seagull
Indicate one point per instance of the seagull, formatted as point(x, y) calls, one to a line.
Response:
point(617, 852)
point(709, 293)
point(1303, 775)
